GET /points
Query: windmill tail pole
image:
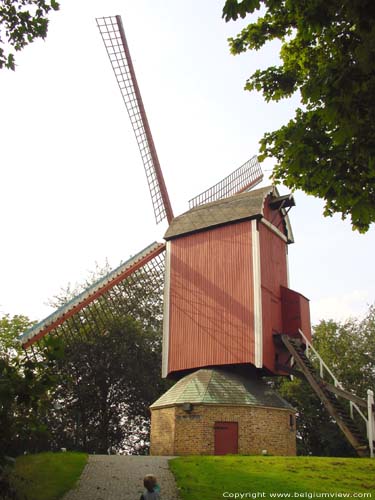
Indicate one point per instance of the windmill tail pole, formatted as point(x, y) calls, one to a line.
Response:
point(158, 171)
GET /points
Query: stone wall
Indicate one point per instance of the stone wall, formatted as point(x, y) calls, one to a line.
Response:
point(163, 431)
point(177, 432)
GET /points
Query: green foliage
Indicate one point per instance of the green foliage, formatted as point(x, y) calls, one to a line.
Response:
point(25, 385)
point(86, 385)
point(107, 380)
point(328, 55)
point(10, 329)
point(349, 348)
point(47, 476)
point(22, 21)
point(111, 369)
point(210, 477)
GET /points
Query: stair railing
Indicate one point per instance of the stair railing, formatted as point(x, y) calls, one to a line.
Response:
point(370, 420)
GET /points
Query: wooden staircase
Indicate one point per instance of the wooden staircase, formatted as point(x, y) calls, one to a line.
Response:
point(329, 395)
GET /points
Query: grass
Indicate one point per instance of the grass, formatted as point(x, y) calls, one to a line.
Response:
point(213, 478)
point(47, 476)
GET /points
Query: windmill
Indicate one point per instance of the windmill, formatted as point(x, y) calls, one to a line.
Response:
point(229, 314)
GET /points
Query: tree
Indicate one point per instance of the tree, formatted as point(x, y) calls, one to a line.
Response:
point(349, 350)
point(107, 380)
point(22, 21)
point(87, 385)
point(328, 55)
point(25, 385)
point(10, 329)
point(110, 372)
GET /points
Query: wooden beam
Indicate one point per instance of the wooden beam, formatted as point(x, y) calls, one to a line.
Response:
point(290, 371)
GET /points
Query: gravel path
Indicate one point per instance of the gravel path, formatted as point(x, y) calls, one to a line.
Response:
point(117, 477)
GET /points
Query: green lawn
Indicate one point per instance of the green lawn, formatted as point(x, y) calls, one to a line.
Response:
point(47, 476)
point(213, 478)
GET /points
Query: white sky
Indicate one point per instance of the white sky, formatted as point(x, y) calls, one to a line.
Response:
point(73, 190)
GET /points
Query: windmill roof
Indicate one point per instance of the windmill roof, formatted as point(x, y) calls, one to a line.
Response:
point(220, 387)
point(248, 205)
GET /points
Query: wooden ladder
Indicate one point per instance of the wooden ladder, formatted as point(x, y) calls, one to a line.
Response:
point(328, 394)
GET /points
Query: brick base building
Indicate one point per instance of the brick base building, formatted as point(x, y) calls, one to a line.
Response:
point(215, 412)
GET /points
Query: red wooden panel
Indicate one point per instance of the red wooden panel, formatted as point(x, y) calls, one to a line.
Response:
point(268, 347)
point(296, 313)
point(226, 438)
point(305, 317)
point(273, 216)
point(272, 261)
point(274, 274)
point(211, 318)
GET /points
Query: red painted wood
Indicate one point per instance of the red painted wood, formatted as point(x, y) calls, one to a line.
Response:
point(211, 318)
point(305, 317)
point(267, 329)
point(296, 313)
point(274, 274)
point(226, 438)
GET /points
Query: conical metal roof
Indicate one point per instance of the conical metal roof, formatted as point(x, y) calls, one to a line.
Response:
point(221, 387)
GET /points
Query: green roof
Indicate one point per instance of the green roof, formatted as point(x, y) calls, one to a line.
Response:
point(221, 387)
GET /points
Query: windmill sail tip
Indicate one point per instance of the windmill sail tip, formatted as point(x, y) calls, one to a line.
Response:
point(243, 178)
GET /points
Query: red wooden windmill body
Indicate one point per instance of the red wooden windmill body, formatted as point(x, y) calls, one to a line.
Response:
point(226, 273)
point(226, 292)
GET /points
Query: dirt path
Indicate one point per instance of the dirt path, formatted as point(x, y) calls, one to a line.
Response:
point(116, 477)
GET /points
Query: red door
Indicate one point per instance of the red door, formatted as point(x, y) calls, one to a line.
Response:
point(226, 438)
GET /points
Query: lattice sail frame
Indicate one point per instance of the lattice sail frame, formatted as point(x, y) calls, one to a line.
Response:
point(114, 39)
point(127, 289)
point(245, 177)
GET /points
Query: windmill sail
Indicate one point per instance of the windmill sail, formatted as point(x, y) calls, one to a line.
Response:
point(245, 177)
point(115, 42)
point(118, 293)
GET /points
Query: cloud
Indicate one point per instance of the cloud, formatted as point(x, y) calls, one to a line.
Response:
point(341, 307)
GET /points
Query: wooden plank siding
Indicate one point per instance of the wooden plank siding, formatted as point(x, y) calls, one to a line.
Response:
point(273, 274)
point(296, 313)
point(305, 317)
point(211, 318)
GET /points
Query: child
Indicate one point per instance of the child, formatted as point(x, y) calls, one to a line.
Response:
point(152, 488)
